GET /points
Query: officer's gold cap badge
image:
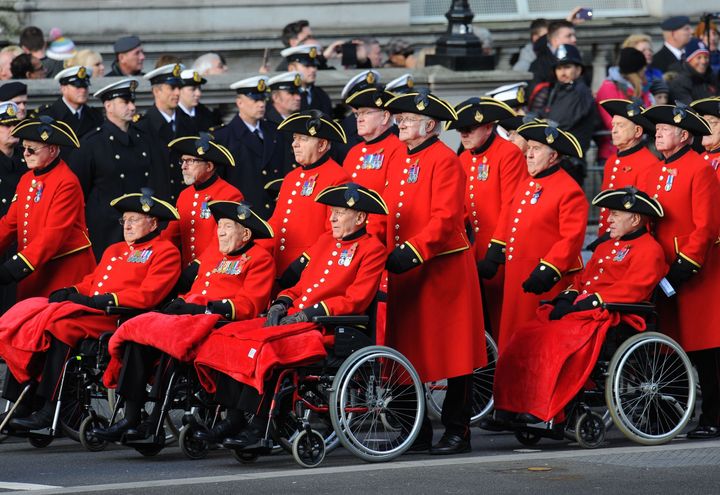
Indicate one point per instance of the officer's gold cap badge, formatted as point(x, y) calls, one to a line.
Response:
point(313, 52)
point(176, 70)
point(10, 111)
point(479, 116)
point(197, 77)
point(261, 86)
point(370, 78)
point(82, 73)
point(298, 80)
point(410, 83)
point(521, 95)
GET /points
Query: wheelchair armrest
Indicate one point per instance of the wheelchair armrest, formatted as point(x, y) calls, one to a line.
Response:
point(633, 308)
point(342, 320)
point(124, 311)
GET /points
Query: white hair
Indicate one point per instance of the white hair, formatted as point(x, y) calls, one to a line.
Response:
point(205, 62)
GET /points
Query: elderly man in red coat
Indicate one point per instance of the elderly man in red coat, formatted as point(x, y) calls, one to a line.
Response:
point(539, 237)
point(298, 221)
point(546, 362)
point(46, 218)
point(435, 313)
point(138, 272)
point(632, 157)
point(200, 158)
point(341, 277)
point(687, 187)
point(494, 167)
point(232, 280)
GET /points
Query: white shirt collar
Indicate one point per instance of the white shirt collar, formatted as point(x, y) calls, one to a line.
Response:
point(675, 51)
point(73, 110)
point(189, 111)
point(168, 118)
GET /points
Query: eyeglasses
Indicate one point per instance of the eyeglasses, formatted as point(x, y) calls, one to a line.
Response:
point(191, 161)
point(32, 151)
point(130, 221)
point(408, 120)
point(363, 114)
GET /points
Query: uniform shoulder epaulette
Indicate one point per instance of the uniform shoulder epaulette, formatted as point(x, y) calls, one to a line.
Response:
point(217, 127)
point(95, 131)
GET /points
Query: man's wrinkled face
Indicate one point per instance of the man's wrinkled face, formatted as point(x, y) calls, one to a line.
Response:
point(622, 223)
point(231, 235)
point(539, 157)
point(137, 225)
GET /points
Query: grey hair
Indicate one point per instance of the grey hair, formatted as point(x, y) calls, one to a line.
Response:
point(205, 62)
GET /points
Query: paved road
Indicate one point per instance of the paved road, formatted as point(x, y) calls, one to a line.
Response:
point(498, 464)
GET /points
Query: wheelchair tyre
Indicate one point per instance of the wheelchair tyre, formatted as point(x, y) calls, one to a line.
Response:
point(152, 449)
point(87, 439)
point(40, 441)
point(308, 448)
point(374, 388)
point(245, 457)
point(650, 388)
point(590, 430)
point(192, 447)
point(83, 393)
point(527, 438)
point(483, 379)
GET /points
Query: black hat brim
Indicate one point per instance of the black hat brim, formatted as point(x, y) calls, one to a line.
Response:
point(229, 209)
point(564, 142)
point(369, 98)
point(216, 153)
point(313, 124)
point(159, 209)
point(485, 111)
point(45, 129)
point(630, 201)
point(707, 106)
point(363, 199)
point(620, 107)
point(428, 105)
point(691, 122)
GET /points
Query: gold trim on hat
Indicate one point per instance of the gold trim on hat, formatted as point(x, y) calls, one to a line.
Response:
point(479, 116)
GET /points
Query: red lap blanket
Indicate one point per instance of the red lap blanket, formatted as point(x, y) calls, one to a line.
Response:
point(247, 352)
point(546, 363)
point(25, 329)
point(176, 335)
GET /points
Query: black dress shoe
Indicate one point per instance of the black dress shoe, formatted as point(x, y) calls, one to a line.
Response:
point(528, 418)
point(223, 429)
point(142, 431)
point(36, 421)
point(112, 433)
point(245, 439)
point(703, 432)
point(492, 424)
point(451, 444)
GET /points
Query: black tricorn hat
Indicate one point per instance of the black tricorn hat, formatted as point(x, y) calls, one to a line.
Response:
point(353, 196)
point(478, 111)
point(369, 97)
point(513, 123)
point(629, 199)
point(313, 123)
point(422, 102)
point(561, 141)
point(631, 110)
point(680, 116)
point(45, 129)
point(707, 106)
point(145, 202)
point(241, 213)
point(203, 147)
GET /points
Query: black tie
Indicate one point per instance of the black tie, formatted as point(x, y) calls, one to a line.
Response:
point(257, 135)
point(172, 124)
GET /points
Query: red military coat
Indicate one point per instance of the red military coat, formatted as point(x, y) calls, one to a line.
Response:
point(367, 162)
point(622, 169)
point(341, 276)
point(713, 158)
point(243, 280)
point(493, 172)
point(47, 220)
point(197, 229)
point(298, 221)
point(434, 311)
point(688, 190)
point(545, 223)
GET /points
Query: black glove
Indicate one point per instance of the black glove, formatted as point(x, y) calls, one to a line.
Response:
point(5, 276)
point(61, 295)
point(680, 272)
point(542, 279)
point(487, 269)
point(594, 244)
point(187, 277)
point(223, 308)
point(298, 317)
point(291, 275)
point(562, 307)
point(78, 298)
point(275, 313)
point(402, 259)
point(180, 307)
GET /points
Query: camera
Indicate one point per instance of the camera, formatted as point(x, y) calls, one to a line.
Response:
point(586, 14)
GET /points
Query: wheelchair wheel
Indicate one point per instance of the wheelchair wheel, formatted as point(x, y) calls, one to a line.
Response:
point(83, 392)
point(40, 441)
point(191, 446)
point(590, 430)
point(87, 439)
point(650, 389)
point(482, 400)
point(527, 438)
point(377, 404)
point(245, 457)
point(308, 448)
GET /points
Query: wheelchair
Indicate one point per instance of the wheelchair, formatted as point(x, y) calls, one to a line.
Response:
point(365, 397)
point(82, 399)
point(643, 383)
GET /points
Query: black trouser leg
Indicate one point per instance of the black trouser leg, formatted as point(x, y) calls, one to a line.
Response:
point(11, 392)
point(55, 359)
point(137, 367)
point(236, 396)
point(707, 363)
point(457, 407)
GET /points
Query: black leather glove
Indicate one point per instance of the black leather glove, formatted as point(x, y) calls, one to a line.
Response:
point(5, 276)
point(487, 269)
point(78, 298)
point(61, 295)
point(298, 317)
point(562, 307)
point(180, 307)
point(402, 259)
point(680, 272)
point(275, 313)
point(542, 279)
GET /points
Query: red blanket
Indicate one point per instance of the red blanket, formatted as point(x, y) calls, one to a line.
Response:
point(546, 363)
point(176, 335)
point(247, 352)
point(25, 329)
